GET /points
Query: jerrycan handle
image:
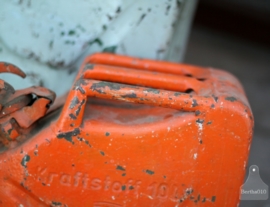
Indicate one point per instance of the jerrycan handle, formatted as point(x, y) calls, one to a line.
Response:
point(130, 85)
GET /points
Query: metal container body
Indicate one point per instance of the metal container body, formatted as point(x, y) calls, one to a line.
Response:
point(181, 138)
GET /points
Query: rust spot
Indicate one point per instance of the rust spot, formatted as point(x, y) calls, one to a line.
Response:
point(131, 95)
point(81, 89)
point(101, 85)
point(189, 191)
point(152, 90)
point(72, 116)
point(55, 203)
point(200, 121)
point(119, 167)
point(68, 135)
point(87, 143)
point(215, 98)
point(230, 98)
point(177, 93)
point(194, 103)
point(150, 172)
point(24, 161)
point(74, 102)
point(89, 66)
point(79, 83)
point(80, 139)
point(77, 112)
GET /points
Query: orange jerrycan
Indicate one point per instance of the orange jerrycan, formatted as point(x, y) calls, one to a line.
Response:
point(131, 132)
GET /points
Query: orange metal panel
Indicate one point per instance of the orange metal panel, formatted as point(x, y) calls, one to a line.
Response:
point(134, 133)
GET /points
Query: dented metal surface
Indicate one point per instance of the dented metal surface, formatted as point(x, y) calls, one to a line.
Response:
point(135, 132)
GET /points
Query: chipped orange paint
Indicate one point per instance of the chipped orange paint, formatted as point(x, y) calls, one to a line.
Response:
point(135, 133)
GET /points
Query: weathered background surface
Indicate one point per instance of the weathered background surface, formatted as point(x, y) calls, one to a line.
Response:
point(49, 39)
